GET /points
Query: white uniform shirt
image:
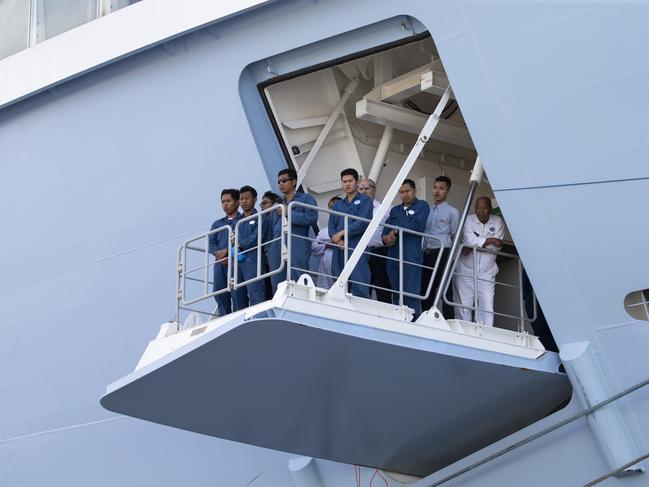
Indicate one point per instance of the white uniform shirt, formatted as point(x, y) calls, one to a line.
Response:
point(476, 233)
point(376, 240)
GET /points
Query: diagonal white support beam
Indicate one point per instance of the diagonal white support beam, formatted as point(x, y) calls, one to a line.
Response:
point(411, 121)
point(339, 288)
point(349, 89)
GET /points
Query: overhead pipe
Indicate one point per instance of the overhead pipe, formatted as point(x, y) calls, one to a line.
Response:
point(381, 154)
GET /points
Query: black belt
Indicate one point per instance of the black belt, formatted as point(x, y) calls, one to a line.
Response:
point(431, 251)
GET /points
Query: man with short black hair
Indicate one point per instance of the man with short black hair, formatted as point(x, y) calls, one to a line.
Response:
point(480, 230)
point(443, 222)
point(411, 214)
point(248, 240)
point(269, 199)
point(302, 219)
point(219, 246)
point(377, 261)
point(356, 204)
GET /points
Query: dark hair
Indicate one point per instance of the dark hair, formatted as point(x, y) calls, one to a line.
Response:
point(409, 182)
point(248, 189)
point(487, 199)
point(334, 199)
point(271, 196)
point(350, 171)
point(232, 192)
point(444, 179)
point(290, 172)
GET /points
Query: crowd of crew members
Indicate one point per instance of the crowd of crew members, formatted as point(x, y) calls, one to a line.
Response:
point(378, 269)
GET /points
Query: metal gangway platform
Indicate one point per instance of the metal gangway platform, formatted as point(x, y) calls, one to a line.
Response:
point(323, 373)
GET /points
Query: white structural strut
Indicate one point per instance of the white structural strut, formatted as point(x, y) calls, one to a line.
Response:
point(339, 288)
point(474, 182)
point(607, 423)
point(349, 89)
point(381, 153)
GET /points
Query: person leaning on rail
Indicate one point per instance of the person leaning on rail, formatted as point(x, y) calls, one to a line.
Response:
point(302, 219)
point(323, 248)
point(442, 222)
point(378, 272)
point(411, 214)
point(480, 230)
point(219, 246)
point(248, 238)
point(268, 200)
point(354, 204)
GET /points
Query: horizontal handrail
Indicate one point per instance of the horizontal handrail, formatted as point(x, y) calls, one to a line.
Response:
point(475, 250)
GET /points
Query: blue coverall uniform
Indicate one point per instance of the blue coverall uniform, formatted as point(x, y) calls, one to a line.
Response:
point(248, 238)
point(412, 218)
point(361, 205)
point(219, 241)
point(302, 219)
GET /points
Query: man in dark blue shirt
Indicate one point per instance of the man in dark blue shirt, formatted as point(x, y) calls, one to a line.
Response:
point(302, 219)
point(356, 204)
point(219, 246)
point(411, 214)
point(248, 239)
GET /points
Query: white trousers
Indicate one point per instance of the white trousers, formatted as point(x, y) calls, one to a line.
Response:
point(463, 293)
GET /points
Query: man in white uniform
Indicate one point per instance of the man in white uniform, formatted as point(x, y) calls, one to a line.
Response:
point(481, 230)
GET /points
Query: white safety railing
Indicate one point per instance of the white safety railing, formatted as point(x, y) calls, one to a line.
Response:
point(195, 278)
point(400, 291)
point(477, 253)
point(263, 241)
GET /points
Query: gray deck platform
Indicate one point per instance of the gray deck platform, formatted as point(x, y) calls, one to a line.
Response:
point(301, 389)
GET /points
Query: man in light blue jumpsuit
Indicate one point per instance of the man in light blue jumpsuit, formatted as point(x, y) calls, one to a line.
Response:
point(356, 204)
point(411, 214)
point(302, 219)
point(248, 234)
point(219, 246)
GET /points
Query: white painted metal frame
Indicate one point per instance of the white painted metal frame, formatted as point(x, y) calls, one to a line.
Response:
point(338, 290)
point(411, 121)
point(349, 89)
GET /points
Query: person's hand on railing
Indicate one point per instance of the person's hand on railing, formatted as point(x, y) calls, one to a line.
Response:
point(389, 239)
point(222, 256)
point(496, 242)
point(339, 238)
point(466, 250)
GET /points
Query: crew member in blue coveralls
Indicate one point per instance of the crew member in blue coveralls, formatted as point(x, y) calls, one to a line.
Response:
point(411, 214)
point(302, 219)
point(356, 204)
point(248, 243)
point(219, 246)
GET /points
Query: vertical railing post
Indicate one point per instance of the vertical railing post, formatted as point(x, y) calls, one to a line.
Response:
point(401, 266)
point(259, 235)
point(289, 242)
point(179, 277)
point(521, 325)
point(206, 263)
point(475, 283)
point(346, 239)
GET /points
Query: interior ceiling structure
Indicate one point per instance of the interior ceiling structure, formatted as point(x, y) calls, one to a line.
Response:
point(404, 61)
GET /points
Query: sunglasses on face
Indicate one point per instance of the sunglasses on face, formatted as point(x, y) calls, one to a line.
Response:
point(281, 181)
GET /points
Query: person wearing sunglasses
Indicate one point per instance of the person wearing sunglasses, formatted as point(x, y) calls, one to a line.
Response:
point(302, 219)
